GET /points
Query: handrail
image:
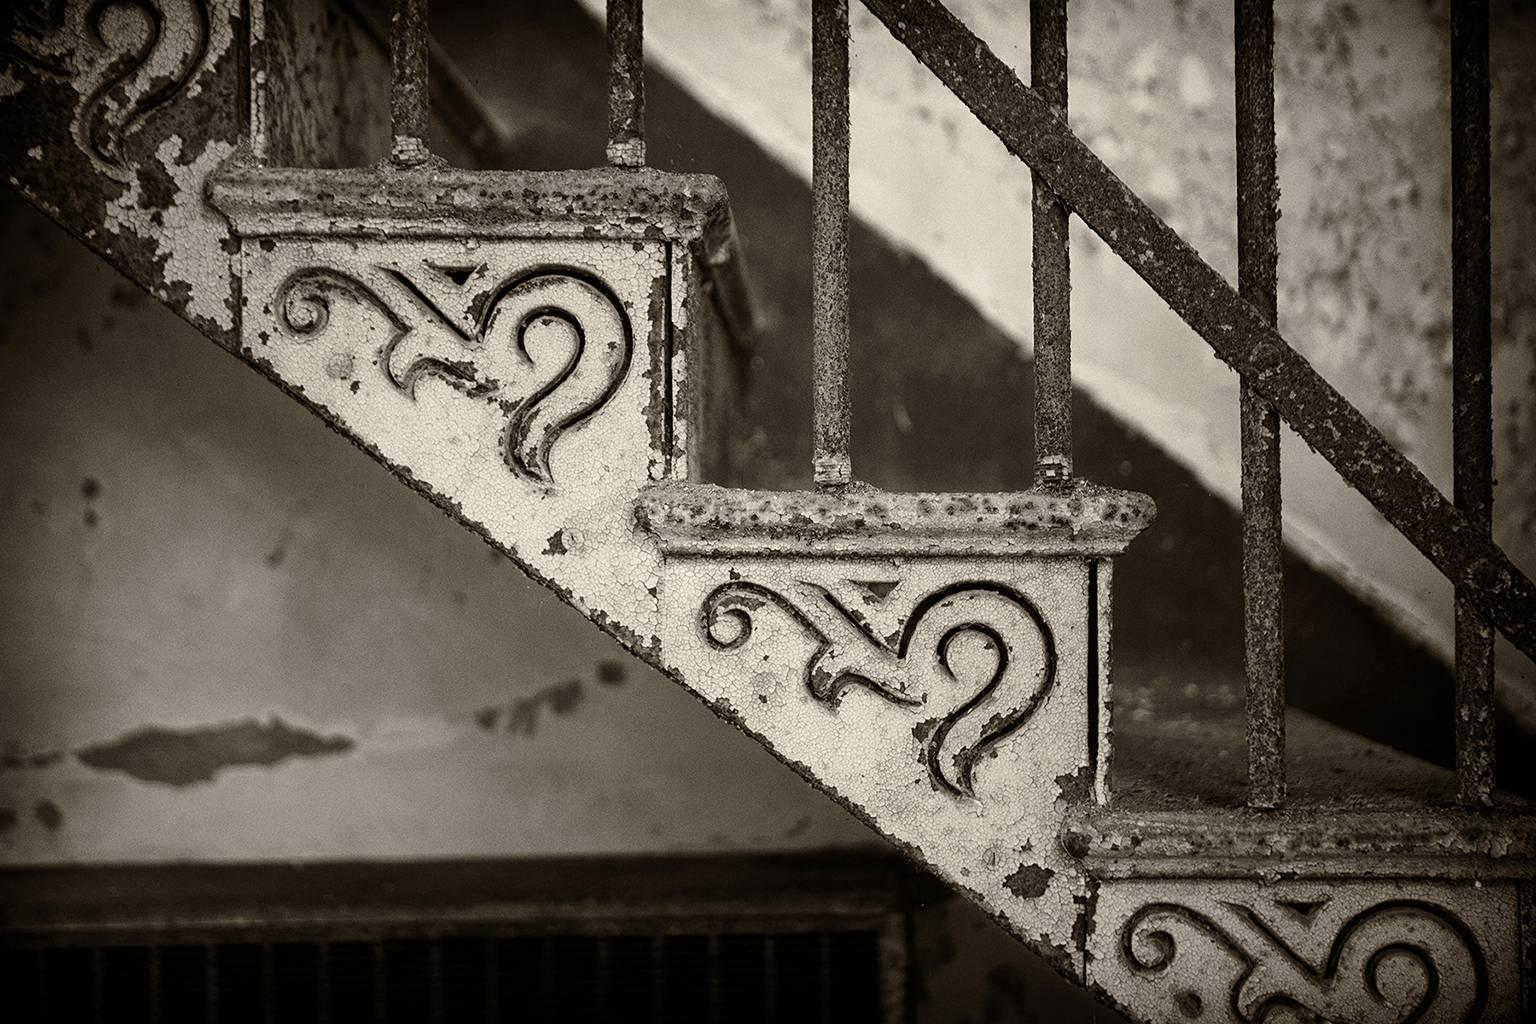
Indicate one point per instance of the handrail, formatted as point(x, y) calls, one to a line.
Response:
point(1238, 333)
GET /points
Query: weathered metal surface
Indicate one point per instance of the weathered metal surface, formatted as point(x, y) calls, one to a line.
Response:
point(944, 674)
point(113, 115)
point(1051, 262)
point(1234, 329)
point(518, 378)
point(408, 103)
point(626, 83)
point(1349, 952)
point(1340, 841)
point(515, 347)
point(474, 134)
point(829, 241)
point(1472, 369)
point(1086, 520)
point(1258, 255)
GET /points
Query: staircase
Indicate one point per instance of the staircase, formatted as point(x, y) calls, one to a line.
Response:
point(547, 356)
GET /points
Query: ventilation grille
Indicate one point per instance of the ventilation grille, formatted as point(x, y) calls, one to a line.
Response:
point(736, 977)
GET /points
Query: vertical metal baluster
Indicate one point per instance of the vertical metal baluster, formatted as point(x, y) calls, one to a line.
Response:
point(435, 992)
point(1472, 372)
point(98, 986)
point(824, 975)
point(268, 985)
point(1258, 197)
point(829, 239)
point(770, 978)
point(380, 983)
point(408, 82)
point(1052, 268)
point(156, 989)
point(712, 953)
point(327, 1012)
point(492, 981)
point(626, 83)
point(211, 967)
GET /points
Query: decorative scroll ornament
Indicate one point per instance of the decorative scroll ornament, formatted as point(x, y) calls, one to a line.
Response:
point(980, 654)
point(478, 340)
point(1401, 960)
point(127, 58)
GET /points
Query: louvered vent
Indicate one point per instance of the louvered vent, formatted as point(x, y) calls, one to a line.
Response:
point(558, 951)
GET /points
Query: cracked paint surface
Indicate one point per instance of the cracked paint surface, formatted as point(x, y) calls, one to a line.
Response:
point(133, 111)
point(1237, 951)
point(891, 672)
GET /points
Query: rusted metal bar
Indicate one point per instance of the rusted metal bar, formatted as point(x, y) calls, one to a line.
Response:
point(1052, 261)
point(829, 238)
point(408, 82)
point(626, 83)
point(1472, 387)
point(1235, 330)
point(1258, 197)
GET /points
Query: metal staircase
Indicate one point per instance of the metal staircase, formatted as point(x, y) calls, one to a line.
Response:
point(540, 354)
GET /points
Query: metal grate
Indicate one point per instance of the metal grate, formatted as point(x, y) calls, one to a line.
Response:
point(738, 977)
point(665, 939)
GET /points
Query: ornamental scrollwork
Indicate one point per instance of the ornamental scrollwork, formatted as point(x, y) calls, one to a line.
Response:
point(127, 58)
point(976, 706)
point(477, 340)
point(1399, 959)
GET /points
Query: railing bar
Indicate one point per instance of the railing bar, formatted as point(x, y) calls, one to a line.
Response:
point(1234, 330)
point(829, 238)
point(1052, 268)
point(626, 83)
point(408, 95)
point(1472, 384)
point(1258, 197)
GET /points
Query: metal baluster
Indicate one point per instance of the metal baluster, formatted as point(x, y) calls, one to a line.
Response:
point(1472, 387)
point(1052, 270)
point(626, 83)
point(408, 83)
point(1258, 196)
point(829, 239)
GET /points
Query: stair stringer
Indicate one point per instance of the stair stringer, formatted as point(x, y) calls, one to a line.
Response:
point(393, 304)
point(115, 114)
point(146, 155)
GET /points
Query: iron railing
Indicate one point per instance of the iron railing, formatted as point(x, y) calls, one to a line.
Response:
point(1239, 324)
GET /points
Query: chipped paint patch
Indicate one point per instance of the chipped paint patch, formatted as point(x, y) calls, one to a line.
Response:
point(190, 237)
point(183, 757)
point(1029, 882)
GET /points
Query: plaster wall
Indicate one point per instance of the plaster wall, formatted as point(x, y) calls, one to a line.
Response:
point(225, 635)
point(228, 635)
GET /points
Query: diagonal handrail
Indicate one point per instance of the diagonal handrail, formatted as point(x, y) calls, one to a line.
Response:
point(1235, 330)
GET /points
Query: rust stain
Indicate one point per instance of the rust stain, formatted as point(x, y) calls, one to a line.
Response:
point(182, 757)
